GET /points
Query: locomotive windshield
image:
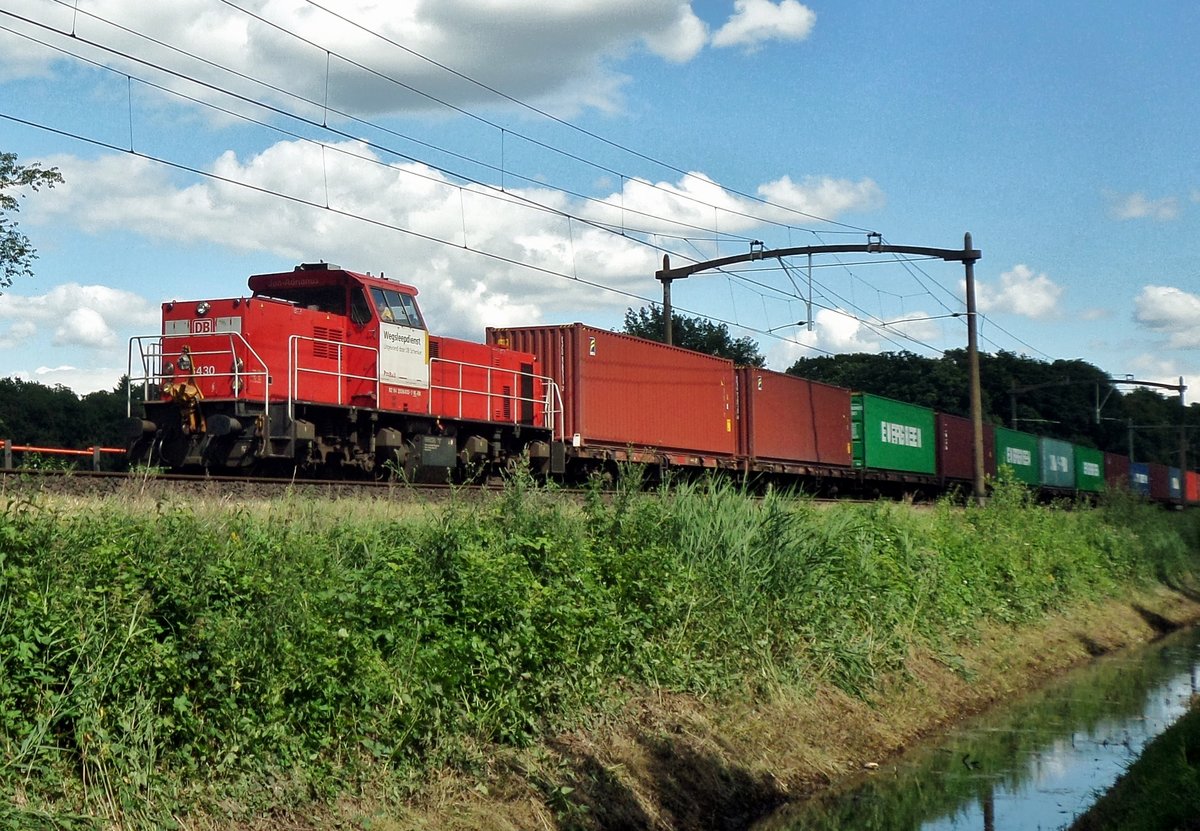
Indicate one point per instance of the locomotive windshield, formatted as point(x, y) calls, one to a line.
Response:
point(397, 307)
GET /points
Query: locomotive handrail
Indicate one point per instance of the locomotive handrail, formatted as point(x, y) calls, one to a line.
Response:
point(548, 409)
point(295, 370)
point(152, 369)
point(554, 407)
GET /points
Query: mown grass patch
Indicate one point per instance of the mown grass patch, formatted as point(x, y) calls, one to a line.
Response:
point(168, 658)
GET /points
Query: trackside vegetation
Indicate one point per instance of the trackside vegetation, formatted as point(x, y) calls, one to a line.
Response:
point(165, 661)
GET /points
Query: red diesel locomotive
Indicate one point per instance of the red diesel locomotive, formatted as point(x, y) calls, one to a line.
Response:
point(324, 370)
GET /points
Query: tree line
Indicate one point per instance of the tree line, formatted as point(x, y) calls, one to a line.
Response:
point(36, 415)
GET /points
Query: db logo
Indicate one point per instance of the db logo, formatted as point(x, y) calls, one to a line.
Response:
point(203, 326)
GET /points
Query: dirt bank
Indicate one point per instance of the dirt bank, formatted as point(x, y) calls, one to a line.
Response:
point(676, 762)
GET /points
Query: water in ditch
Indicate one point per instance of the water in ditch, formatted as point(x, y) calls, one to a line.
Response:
point(1037, 762)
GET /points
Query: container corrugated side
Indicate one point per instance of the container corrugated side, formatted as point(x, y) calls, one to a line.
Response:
point(1191, 484)
point(1116, 471)
point(1018, 452)
point(1139, 478)
point(956, 448)
point(1058, 463)
point(1160, 481)
point(892, 435)
point(1089, 469)
point(620, 391)
point(788, 419)
point(1175, 483)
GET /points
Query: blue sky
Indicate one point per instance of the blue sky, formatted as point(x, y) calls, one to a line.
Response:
point(1061, 135)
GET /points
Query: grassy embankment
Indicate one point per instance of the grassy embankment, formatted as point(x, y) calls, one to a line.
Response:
point(310, 662)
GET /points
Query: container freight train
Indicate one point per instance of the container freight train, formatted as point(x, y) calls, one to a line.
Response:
point(324, 371)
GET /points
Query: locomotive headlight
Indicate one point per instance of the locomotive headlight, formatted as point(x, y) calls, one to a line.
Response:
point(185, 362)
point(202, 308)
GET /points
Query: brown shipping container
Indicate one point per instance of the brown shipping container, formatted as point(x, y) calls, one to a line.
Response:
point(1116, 471)
point(784, 418)
point(1160, 482)
point(956, 448)
point(621, 391)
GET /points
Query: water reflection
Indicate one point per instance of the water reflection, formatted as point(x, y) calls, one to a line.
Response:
point(1037, 763)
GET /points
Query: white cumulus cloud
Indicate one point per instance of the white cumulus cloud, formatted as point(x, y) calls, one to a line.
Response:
point(1139, 206)
point(493, 256)
point(756, 21)
point(1154, 366)
point(1020, 292)
point(88, 316)
point(352, 56)
point(1170, 311)
point(823, 196)
point(84, 327)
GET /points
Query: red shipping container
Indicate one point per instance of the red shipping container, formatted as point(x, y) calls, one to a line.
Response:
point(956, 448)
point(786, 419)
point(1160, 482)
point(623, 392)
point(1116, 471)
point(1191, 484)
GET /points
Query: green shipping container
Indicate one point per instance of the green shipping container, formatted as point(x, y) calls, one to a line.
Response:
point(1019, 452)
point(891, 435)
point(1058, 463)
point(1089, 469)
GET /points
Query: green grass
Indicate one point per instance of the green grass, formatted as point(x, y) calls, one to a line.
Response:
point(166, 659)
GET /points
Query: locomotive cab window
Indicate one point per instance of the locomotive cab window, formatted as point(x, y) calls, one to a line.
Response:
point(396, 307)
point(360, 307)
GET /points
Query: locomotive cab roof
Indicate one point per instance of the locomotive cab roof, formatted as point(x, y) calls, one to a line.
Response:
point(319, 275)
point(330, 288)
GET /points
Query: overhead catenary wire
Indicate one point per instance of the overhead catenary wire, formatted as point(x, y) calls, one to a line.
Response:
point(359, 217)
point(525, 105)
point(623, 229)
point(323, 106)
point(340, 133)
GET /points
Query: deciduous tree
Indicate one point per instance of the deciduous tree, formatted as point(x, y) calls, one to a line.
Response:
point(16, 252)
point(695, 333)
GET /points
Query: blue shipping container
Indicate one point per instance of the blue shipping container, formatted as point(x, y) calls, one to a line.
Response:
point(1139, 478)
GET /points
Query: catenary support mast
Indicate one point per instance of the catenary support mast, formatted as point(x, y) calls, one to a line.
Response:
point(874, 245)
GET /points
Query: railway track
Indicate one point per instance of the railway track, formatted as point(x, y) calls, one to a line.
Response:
point(124, 485)
point(121, 484)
